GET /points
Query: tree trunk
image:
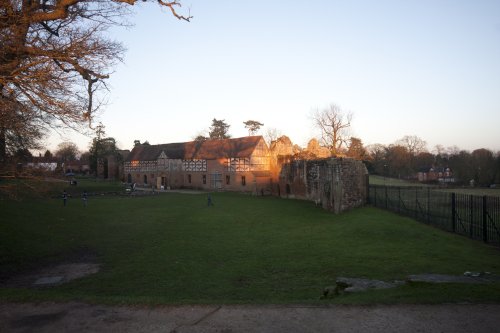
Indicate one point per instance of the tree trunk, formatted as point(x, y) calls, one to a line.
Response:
point(3, 146)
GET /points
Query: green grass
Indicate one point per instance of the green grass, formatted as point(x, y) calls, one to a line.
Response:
point(380, 180)
point(173, 249)
point(39, 187)
point(492, 192)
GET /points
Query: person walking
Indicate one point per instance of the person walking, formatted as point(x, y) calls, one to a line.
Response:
point(84, 198)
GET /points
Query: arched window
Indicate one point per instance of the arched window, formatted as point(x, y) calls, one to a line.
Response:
point(145, 179)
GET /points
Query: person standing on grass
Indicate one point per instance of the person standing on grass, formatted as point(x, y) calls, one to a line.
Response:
point(209, 200)
point(65, 197)
point(84, 198)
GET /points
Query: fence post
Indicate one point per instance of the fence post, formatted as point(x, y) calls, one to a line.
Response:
point(416, 203)
point(453, 212)
point(386, 197)
point(428, 205)
point(399, 200)
point(485, 220)
point(471, 217)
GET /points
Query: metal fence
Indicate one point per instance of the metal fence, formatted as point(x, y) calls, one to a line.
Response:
point(477, 217)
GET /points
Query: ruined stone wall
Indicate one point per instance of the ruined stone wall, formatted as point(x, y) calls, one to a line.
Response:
point(337, 184)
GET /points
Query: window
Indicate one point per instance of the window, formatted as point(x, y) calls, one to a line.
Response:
point(145, 179)
point(189, 179)
point(228, 180)
point(238, 164)
point(204, 179)
point(243, 180)
point(216, 180)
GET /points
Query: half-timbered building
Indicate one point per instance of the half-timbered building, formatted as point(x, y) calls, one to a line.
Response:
point(240, 164)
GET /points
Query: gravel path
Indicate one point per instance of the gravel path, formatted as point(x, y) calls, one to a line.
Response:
point(80, 317)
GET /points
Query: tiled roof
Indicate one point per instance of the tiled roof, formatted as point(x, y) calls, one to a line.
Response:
point(209, 149)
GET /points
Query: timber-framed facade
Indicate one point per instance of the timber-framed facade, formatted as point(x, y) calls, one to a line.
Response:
point(240, 164)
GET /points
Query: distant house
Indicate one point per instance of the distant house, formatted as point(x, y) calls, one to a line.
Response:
point(436, 174)
point(239, 164)
point(43, 163)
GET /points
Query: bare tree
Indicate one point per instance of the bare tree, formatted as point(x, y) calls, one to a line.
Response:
point(413, 144)
point(67, 151)
point(271, 134)
point(439, 150)
point(484, 166)
point(54, 60)
point(334, 125)
point(398, 161)
point(377, 158)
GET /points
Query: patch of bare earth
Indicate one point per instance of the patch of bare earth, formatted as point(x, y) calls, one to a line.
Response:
point(75, 265)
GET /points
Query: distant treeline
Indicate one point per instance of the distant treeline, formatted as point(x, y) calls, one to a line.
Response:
point(481, 166)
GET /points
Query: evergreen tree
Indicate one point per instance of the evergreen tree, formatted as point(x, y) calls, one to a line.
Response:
point(218, 130)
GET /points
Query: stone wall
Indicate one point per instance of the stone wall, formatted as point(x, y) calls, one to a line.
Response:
point(337, 184)
point(111, 167)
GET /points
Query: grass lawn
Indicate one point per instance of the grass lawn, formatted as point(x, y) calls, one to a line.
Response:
point(39, 187)
point(173, 249)
point(492, 192)
point(380, 180)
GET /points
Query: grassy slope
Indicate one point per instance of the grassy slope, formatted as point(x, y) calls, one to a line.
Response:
point(172, 248)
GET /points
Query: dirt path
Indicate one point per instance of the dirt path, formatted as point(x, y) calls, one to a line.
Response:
point(80, 317)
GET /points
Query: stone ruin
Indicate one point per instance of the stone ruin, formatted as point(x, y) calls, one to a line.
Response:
point(336, 184)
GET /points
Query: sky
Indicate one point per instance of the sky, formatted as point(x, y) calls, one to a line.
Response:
point(429, 68)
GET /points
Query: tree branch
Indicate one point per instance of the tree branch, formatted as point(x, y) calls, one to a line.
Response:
point(61, 10)
point(171, 5)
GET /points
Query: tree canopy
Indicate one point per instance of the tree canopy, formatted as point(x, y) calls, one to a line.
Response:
point(67, 151)
point(219, 130)
point(54, 62)
point(356, 149)
point(253, 126)
point(101, 147)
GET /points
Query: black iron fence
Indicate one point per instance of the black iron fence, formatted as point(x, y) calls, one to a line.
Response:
point(477, 217)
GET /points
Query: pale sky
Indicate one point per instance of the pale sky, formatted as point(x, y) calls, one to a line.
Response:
point(429, 68)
